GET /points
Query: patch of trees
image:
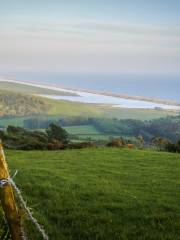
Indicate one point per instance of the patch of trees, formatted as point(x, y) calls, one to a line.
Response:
point(42, 122)
point(54, 138)
point(163, 144)
point(165, 127)
point(168, 127)
point(18, 138)
point(173, 147)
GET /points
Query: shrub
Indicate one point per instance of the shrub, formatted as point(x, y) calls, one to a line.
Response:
point(116, 143)
point(82, 145)
point(55, 145)
point(171, 147)
point(55, 132)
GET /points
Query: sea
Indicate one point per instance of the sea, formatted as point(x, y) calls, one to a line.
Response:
point(157, 86)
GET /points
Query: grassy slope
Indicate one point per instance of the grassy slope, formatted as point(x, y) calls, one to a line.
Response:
point(67, 108)
point(61, 109)
point(23, 88)
point(101, 193)
point(22, 104)
point(140, 114)
point(88, 132)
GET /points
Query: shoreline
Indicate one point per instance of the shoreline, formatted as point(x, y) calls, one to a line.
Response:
point(77, 93)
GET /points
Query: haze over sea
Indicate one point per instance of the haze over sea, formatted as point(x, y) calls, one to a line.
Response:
point(127, 47)
point(157, 86)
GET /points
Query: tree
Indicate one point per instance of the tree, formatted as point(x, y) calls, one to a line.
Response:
point(160, 143)
point(141, 141)
point(2, 135)
point(56, 132)
point(11, 130)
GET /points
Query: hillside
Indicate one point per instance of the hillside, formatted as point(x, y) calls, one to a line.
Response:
point(18, 104)
point(100, 193)
point(15, 104)
point(22, 102)
point(30, 89)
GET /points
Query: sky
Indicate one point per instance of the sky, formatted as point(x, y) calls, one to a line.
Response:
point(90, 37)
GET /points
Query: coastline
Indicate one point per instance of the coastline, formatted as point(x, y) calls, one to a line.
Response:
point(80, 92)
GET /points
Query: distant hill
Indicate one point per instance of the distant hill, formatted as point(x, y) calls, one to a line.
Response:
point(16, 104)
point(25, 88)
point(20, 100)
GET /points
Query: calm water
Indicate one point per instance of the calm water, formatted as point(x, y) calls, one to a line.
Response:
point(166, 87)
point(112, 101)
point(87, 97)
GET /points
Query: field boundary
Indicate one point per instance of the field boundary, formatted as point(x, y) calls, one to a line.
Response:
point(9, 205)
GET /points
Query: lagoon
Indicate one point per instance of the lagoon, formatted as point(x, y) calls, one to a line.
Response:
point(115, 102)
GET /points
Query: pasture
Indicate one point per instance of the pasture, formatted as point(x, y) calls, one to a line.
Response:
point(101, 193)
point(82, 130)
point(86, 133)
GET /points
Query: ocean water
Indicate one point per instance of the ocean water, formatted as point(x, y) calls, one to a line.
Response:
point(96, 98)
point(114, 102)
point(158, 86)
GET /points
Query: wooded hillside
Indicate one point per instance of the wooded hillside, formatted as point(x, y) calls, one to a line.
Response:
point(15, 104)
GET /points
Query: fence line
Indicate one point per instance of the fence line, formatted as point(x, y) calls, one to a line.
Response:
point(8, 201)
point(28, 211)
point(11, 211)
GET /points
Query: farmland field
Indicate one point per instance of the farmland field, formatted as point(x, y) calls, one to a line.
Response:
point(82, 129)
point(101, 193)
point(87, 132)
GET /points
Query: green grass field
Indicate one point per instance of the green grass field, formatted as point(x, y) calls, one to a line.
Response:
point(86, 133)
point(67, 108)
point(89, 132)
point(140, 114)
point(101, 193)
point(82, 129)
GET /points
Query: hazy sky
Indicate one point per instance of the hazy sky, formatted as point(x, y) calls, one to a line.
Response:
point(90, 36)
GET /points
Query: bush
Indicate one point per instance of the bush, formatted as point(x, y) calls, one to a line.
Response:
point(55, 145)
point(171, 147)
point(55, 132)
point(2, 135)
point(116, 143)
point(82, 145)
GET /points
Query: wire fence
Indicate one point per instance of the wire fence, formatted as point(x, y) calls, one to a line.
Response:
point(29, 213)
point(4, 229)
point(5, 226)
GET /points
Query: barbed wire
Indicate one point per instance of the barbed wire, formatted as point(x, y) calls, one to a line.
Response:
point(41, 230)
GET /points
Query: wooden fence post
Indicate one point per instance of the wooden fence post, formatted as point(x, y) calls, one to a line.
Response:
point(8, 201)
